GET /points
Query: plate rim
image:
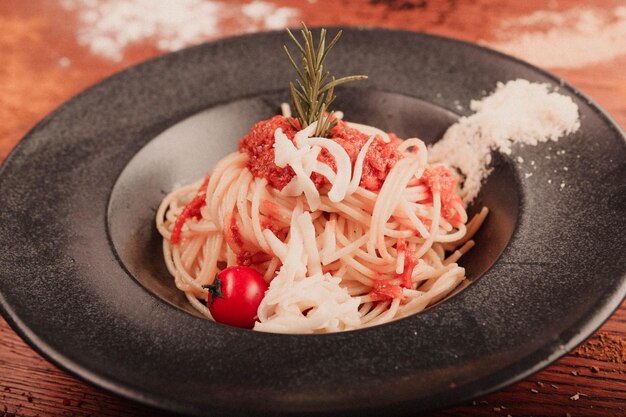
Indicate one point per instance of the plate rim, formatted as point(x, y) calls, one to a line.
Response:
point(584, 328)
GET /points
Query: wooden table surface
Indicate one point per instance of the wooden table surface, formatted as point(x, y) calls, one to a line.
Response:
point(44, 61)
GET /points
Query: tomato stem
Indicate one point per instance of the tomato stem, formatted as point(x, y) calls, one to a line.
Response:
point(215, 289)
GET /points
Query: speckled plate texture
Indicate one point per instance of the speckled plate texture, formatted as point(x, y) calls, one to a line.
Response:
point(82, 278)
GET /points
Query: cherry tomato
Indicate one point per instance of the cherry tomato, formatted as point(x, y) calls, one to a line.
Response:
point(235, 296)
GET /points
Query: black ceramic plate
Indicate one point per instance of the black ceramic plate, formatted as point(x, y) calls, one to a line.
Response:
point(83, 282)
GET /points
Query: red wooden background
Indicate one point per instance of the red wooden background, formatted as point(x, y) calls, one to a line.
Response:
point(42, 64)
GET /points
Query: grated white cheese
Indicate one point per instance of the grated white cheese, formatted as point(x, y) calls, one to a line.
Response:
point(518, 112)
point(341, 179)
point(358, 166)
point(301, 299)
point(302, 158)
point(310, 305)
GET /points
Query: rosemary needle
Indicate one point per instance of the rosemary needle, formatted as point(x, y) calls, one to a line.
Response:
point(313, 91)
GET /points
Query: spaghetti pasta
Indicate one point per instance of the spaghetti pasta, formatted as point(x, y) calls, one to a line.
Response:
point(338, 252)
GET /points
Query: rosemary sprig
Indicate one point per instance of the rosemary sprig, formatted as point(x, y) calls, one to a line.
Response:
point(313, 92)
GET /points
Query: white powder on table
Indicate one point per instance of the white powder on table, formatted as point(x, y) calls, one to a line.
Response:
point(570, 39)
point(268, 16)
point(108, 27)
point(518, 112)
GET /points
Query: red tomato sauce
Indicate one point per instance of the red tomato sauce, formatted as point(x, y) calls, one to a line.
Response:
point(271, 224)
point(234, 239)
point(410, 262)
point(232, 233)
point(441, 179)
point(271, 219)
point(247, 258)
point(383, 289)
point(191, 210)
point(259, 145)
